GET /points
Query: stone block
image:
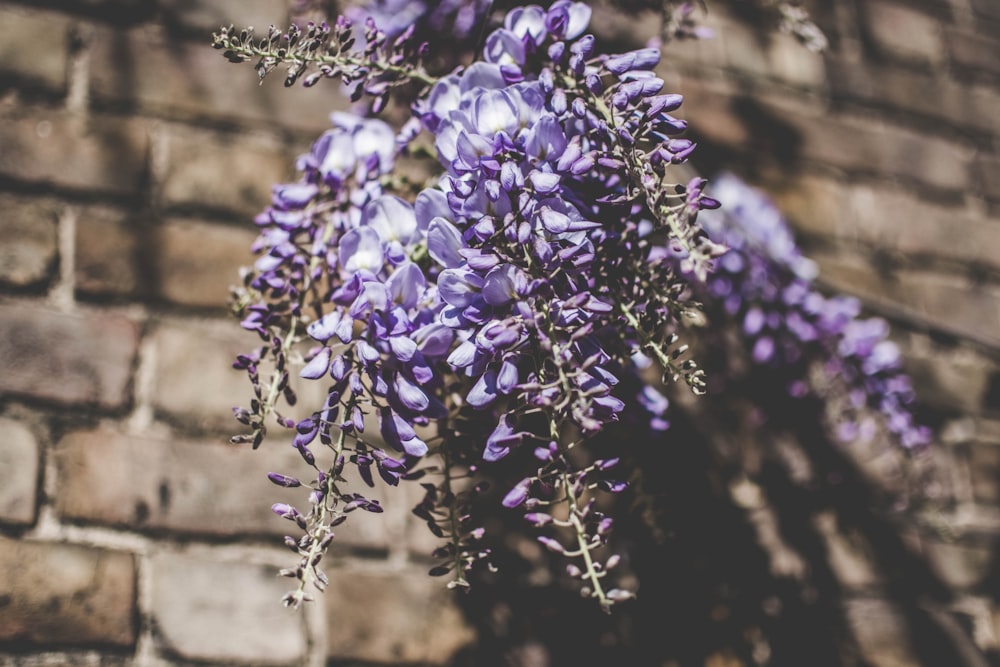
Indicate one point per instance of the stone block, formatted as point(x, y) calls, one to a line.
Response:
point(83, 359)
point(29, 233)
point(56, 594)
point(211, 610)
point(19, 473)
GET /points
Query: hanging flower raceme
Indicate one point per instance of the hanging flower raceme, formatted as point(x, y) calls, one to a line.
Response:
point(493, 312)
point(765, 284)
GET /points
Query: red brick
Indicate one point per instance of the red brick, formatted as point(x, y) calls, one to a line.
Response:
point(197, 262)
point(62, 594)
point(904, 31)
point(407, 617)
point(206, 609)
point(35, 47)
point(84, 358)
point(227, 171)
point(101, 153)
point(28, 236)
point(19, 467)
point(952, 103)
point(144, 66)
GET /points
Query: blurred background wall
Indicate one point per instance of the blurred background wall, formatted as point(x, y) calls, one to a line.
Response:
point(132, 160)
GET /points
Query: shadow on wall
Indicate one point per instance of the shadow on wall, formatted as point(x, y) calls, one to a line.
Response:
point(763, 546)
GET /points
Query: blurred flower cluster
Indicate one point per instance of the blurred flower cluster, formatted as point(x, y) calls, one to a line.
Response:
point(508, 307)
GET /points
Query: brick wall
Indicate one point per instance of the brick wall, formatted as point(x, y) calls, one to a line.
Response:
point(132, 157)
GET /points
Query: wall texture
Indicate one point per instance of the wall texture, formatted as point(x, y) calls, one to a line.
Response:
point(132, 157)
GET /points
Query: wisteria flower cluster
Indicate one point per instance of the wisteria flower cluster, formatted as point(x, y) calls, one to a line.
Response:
point(492, 313)
point(765, 286)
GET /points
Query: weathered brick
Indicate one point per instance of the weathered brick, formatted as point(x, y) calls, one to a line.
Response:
point(904, 31)
point(868, 146)
point(28, 238)
point(974, 51)
point(145, 66)
point(112, 254)
point(628, 31)
point(63, 594)
point(849, 556)
point(881, 632)
point(206, 609)
point(899, 222)
point(813, 205)
point(966, 105)
point(407, 617)
point(948, 380)
point(19, 465)
point(35, 47)
point(82, 358)
point(205, 16)
point(195, 381)
point(710, 111)
point(207, 487)
point(984, 466)
point(45, 146)
point(987, 170)
point(197, 262)
point(222, 170)
point(987, 8)
point(962, 564)
point(773, 56)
